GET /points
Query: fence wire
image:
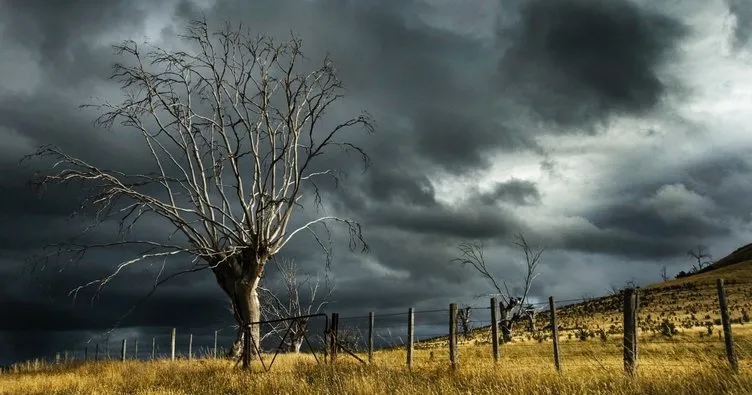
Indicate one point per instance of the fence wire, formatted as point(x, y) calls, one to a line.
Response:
point(390, 331)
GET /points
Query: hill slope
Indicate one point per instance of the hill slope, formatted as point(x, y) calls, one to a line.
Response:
point(689, 303)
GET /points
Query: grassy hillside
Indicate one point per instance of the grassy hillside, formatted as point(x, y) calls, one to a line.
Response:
point(690, 303)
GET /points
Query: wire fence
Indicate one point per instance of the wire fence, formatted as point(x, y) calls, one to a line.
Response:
point(473, 325)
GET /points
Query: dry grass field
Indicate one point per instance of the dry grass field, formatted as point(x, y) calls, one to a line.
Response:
point(588, 368)
point(690, 361)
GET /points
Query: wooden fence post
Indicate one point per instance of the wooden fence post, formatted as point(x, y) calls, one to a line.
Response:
point(86, 352)
point(247, 346)
point(57, 358)
point(96, 353)
point(190, 346)
point(453, 335)
point(410, 336)
point(135, 349)
point(554, 333)
point(728, 336)
point(333, 337)
point(494, 330)
point(370, 336)
point(65, 356)
point(122, 350)
point(215, 344)
point(153, 347)
point(630, 331)
point(172, 345)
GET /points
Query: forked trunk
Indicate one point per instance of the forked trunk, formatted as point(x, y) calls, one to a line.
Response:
point(296, 335)
point(295, 344)
point(239, 277)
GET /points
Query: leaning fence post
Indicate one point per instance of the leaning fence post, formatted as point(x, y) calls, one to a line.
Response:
point(122, 350)
point(728, 336)
point(190, 346)
point(172, 345)
point(370, 336)
point(630, 331)
point(494, 331)
point(453, 335)
point(554, 333)
point(410, 335)
point(215, 344)
point(333, 337)
point(248, 343)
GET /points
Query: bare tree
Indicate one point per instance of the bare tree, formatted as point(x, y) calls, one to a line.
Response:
point(289, 303)
point(233, 130)
point(701, 256)
point(664, 273)
point(512, 308)
point(614, 290)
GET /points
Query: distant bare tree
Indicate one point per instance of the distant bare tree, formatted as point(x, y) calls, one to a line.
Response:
point(512, 308)
point(664, 273)
point(614, 289)
point(289, 303)
point(234, 129)
point(701, 256)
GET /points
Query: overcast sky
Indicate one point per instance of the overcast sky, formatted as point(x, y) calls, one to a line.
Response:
point(616, 133)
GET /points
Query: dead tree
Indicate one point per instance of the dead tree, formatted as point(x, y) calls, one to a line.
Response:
point(234, 129)
point(289, 303)
point(512, 308)
point(463, 321)
point(664, 274)
point(701, 255)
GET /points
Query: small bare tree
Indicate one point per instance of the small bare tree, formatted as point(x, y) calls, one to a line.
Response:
point(289, 303)
point(233, 130)
point(701, 255)
point(664, 274)
point(463, 321)
point(512, 308)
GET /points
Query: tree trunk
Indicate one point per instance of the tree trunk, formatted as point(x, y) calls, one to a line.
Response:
point(296, 335)
point(239, 277)
point(506, 320)
point(295, 344)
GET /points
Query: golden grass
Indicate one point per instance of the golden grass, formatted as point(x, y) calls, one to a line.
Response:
point(680, 366)
point(692, 362)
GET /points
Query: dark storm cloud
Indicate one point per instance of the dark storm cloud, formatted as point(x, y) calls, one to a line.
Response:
point(697, 204)
point(575, 62)
point(389, 184)
point(515, 191)
point(472, 222)
point(58, 32)
point(742, 10)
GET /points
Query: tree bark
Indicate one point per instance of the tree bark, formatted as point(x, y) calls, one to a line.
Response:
point(239, 277)
point(295, 344)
